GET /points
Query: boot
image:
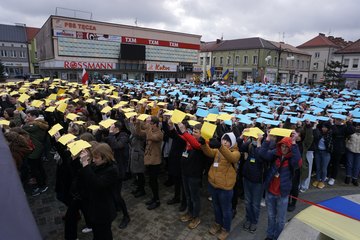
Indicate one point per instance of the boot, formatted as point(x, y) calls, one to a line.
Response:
point(125, 221)
point(355, 182)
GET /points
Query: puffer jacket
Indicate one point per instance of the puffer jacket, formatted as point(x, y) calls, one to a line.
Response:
point(223, 176)
point(37, 130)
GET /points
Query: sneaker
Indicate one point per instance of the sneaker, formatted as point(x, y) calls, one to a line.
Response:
point(321, 185)
point(35, 192)
point(194, 223)
point(263, 203)
point(252, 228)
point(315, 183)
point(302, 190)
point(215, 228)
point(291, 208)
point(210, 198)
point(186, 217)
point(44, 189)
point(223, 234)
point(86, 230)
point(331, 181)
point(246, 225)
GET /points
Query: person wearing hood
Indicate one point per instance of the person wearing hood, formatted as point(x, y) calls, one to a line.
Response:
point(278, 181)
point(37, 128)
point(222, 178)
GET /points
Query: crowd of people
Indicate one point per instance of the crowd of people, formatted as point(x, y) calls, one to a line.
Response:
point(101, 135)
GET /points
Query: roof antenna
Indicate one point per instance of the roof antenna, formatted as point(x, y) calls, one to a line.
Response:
point(283, 37)
point(136, 22)
point(329, 33)
point(222, 36)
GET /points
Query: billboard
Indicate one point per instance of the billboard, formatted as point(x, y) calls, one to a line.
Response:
point(132, 52)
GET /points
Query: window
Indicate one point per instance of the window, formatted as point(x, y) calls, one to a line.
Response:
point(346, 63)
point(3, 53)
point(355, 63)
point(298, 64)
point(292, 63)
point(275, 61)
point(201, 61)
point(302, 64)
point(255, 60)
point(314, 76)
point(228, 60)
point(35, 53)
point(21, 45)
point(207, 60)
point(287, 63)
point(246, 60)
point(22, 54)
point(316, 66)
point(221, 60)
point(214, 61)
point(237, 60)
point(13, 53)
point(307, 64)
point(317, 55)
point(281, 62)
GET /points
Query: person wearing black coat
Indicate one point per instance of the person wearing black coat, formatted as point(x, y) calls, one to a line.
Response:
point(100, 179)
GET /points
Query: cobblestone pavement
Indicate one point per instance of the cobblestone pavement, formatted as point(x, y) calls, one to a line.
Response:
point(162, 223)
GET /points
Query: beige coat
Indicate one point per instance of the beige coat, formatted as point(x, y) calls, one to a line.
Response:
point(154, 139)
point(353, 144)
point(224, 175)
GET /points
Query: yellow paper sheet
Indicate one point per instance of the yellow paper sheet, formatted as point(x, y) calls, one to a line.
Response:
point(102, 102)
point(62, 107)
point(107, 123)
point(52, 96)
point(116, 94)
point(50, 109)
point(193, 123)
point(106, 109)
point(36, 103)
point(177, 116)
point(253, 132)
point(208, 130)
point(143, 117)
point(282, 132)
point(72, 116)
point(90, 100)
point(55, 129)
point(130, 114)
point(93, 127)
point(212, 117)
point(23, 97)
point(79, 122)
point(61, 91)
point(64, 139)
point(77, 146)
point(331, 224)
point(224, 117)
point(4, 122)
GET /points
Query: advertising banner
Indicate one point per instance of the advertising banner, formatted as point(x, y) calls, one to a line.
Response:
point(161, 67)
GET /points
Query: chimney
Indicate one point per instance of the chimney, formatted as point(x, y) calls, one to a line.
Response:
point(322, 34)
point(218, 41)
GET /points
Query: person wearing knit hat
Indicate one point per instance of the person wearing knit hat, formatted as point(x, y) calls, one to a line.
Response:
point(222, 178)
point(278, 182)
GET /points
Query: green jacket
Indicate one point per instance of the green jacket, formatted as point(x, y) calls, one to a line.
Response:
point(37, 130)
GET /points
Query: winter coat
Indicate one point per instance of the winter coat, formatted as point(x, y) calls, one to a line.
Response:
point(284, 167)
point(37, 130)
point(119, 143)
point(224, 175)
point(100, 183)
point(154, 139)
point(327, 138)
point(308, 138)
point(253, 168)
point(137, 150)
point(178, 146)
point(353, 143)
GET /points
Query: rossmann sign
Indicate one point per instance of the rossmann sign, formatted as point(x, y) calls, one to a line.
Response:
point(89, 65)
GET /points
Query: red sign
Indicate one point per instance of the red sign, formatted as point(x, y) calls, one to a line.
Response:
point(88, 65)
point(145, 41)
point(79, 26)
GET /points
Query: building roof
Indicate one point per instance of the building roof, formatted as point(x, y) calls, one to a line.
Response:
point(321, 41)
point(289, 48)
point(245, 43)
point(12, 33)
point(210, 46)
point(31, 33)
point(352, 48)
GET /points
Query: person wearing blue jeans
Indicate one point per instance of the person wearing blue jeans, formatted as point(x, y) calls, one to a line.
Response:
point(221, 201)
point(253, 194)
point(323, 148)
point(284, 160)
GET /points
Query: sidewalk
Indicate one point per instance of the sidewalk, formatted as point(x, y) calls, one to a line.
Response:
point(163, 223)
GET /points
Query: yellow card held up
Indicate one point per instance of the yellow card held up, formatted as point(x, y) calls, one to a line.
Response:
point(55, 129)
point(52, 96)
point(23, 97)
point(193, 122)
point(107, 123)
point(36, 103)
point(4, 122)
point(62, 107)
point(106, 109)
point(282, 132)
point(93, 127)
point(224, 117)
point(143, 117)
point(61, 91)
point(212, 117)
point(178, 116)
point(253, 132)
point(130, 114)
point(64, 139)
point(72, 116)
point(102, 102)
point(77, 146)
point(79, 122)
point(208, 130)
point(50, 109)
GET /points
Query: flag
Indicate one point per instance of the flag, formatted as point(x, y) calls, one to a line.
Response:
point(84, 77)
point(211, 72)
point(208, 72)
point(226, 74)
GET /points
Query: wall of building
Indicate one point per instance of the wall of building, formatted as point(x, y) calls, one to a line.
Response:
point(14, 57)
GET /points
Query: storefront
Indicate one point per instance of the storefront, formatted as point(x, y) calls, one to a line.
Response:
point(117, 50)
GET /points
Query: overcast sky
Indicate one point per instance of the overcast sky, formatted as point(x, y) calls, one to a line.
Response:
point(292, 21)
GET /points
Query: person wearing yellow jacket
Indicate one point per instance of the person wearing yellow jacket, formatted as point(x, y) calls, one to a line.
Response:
point(222, 178)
